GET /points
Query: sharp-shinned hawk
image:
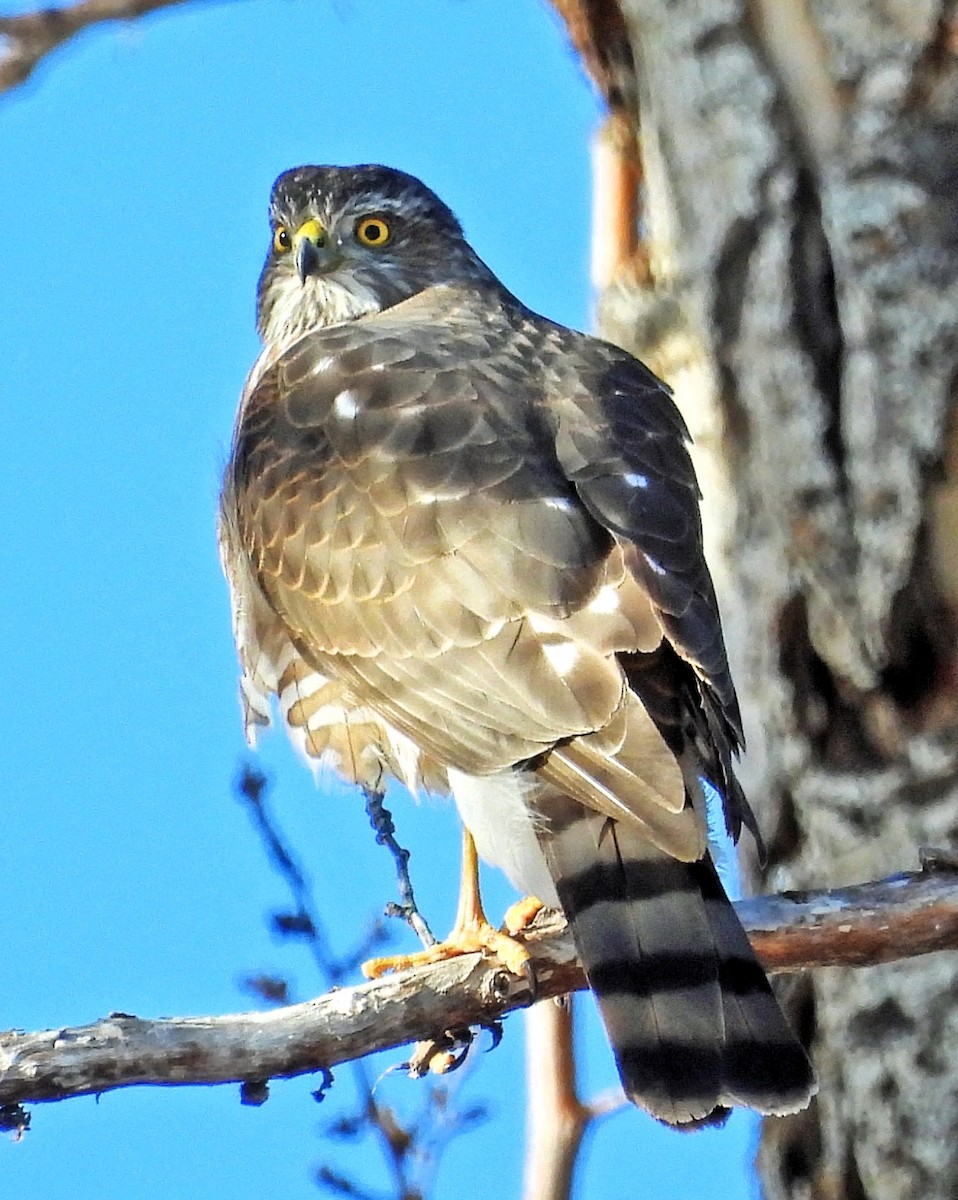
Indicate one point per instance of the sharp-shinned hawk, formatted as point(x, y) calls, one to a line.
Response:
point(464, 550)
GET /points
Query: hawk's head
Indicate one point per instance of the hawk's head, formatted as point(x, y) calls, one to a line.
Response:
point(353, 240)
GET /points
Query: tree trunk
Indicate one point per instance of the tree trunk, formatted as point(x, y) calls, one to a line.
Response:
point(801, 256)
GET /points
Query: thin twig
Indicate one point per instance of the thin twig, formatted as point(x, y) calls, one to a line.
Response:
point(252, 788)
point(895, 918)
point(382, 822)
point(403, 1148)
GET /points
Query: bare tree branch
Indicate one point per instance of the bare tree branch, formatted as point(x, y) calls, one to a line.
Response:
point(27, 38)
point(903, 916)
point(556, 1118)
point(895, 918)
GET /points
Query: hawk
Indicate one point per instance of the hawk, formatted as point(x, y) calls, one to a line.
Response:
point(464, 551)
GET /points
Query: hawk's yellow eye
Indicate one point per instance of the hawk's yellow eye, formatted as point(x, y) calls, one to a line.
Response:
point(373, 231)
point(282, 240)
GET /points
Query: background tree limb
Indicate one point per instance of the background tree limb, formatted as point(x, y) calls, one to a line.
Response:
point(27, 38)
point(895, 918)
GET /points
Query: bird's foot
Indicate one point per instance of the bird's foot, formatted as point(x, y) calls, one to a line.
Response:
point(472, 937)
point(471, 933)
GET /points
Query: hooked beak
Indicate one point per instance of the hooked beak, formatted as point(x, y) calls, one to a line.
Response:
point(313, 254)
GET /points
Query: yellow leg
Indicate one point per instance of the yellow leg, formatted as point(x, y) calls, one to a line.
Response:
point(470, 933)
point(469, 912)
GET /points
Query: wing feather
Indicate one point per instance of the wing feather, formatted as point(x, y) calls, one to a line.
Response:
point(471, 533)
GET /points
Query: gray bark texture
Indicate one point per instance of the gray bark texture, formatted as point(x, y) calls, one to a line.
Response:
point(801, 226)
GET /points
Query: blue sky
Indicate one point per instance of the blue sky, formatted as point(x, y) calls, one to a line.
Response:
point(133, 187)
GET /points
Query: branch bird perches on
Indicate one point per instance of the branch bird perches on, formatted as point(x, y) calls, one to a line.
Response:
point(895, 918)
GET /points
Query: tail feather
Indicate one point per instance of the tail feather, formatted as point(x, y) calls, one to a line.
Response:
point(769, 1070)
point(690, 1015)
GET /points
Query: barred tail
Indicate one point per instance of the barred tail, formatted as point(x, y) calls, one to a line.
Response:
point(691, 1017)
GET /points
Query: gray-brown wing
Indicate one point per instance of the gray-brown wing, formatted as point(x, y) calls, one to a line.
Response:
point(404, 511)
point(623, 443)
point(475, 518)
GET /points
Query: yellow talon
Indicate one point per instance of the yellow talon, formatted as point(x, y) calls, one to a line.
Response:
point(472, 932)
point(519, 916)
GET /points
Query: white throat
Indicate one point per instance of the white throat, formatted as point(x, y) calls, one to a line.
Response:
point(298, 307)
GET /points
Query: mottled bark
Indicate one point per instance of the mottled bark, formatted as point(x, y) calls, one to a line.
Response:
point(802, 236)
